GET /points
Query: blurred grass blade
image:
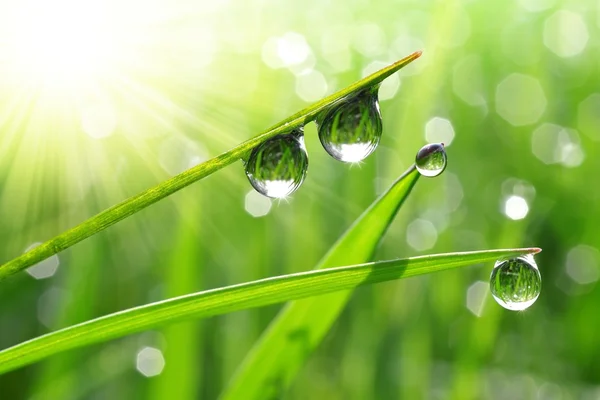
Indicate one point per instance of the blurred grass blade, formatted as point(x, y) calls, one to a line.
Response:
point(239, 297)
point(137, 203)
point(300, 327)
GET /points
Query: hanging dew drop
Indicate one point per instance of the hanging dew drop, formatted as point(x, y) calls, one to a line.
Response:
point(351, 131)
point(431, 160)
point(277, 167)
point(516, 283)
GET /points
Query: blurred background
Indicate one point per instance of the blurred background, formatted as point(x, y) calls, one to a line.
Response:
point(102, 99)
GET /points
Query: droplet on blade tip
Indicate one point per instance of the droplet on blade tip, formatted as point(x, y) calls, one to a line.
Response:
point(431, 160)
point(516, 283)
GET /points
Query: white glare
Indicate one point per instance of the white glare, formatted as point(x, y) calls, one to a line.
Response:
point(60, 40)
point(516, 207)
point(278, 189)
point(150, 362)
point(353, 153)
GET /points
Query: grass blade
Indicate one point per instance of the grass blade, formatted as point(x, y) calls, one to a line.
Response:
point(239, 297)
point(137, 203)
point(301, 326)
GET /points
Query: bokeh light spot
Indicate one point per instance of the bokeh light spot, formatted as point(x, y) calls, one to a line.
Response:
point(520, 99)
point(565, 33)
point(292, 49)
point(43, 269)
point(49, 305)
point(583, 264)
point(439, 130)
point(554, 144)
point(369, 40)
point(516, 207)
point(256, 204)
point(389, 87)
point(150, 362)
point(588, 116)
point(421, 234)
point(335, 48)
point(519, 187)
point(289, 50)
point(476, 294)
point(311, 86)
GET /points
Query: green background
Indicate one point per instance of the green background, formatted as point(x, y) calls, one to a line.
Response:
point(515, 85)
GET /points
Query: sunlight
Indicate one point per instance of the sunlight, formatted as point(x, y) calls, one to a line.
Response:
point(60, 41)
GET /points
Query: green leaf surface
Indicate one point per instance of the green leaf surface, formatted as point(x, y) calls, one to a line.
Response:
point(137, 203)
point(239, 297)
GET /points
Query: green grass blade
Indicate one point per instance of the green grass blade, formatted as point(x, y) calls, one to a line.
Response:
point(137, 203)
point(301, 326)
point(239, 297)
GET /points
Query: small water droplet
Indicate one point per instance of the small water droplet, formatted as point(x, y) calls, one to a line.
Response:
point(277, 167)
point(431, 160)
point(516, 283)
point(351, 131)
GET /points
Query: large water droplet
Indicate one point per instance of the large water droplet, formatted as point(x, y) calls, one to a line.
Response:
point(351, 131)
point(516, 283)
point(431, 160)
point(277, 167)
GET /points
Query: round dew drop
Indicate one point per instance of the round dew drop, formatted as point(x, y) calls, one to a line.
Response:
point(351, 131)
point(277, 167)
point(516, 283)
point(431, 160)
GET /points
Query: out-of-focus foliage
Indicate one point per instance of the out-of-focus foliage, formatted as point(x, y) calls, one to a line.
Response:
point(100, 100)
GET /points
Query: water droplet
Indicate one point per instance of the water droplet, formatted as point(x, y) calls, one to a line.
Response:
point(351, 131)
point(277, 167)
point(431, 160)
point(516, 283)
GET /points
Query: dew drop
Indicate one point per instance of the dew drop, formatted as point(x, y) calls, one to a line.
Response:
point(351, 131)
point(516, 283)
point(431, 160)
point(277, 167)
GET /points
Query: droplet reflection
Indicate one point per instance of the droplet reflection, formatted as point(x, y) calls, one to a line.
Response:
point(351, 131)
point(516, 283)
point(277, 167)
point(431, 160)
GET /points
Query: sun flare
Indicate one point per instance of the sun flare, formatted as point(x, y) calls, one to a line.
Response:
point(60, 41)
